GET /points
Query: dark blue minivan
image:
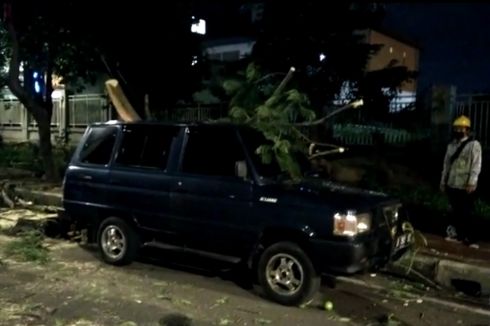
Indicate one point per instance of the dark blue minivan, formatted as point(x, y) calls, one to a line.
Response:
point(202, 189)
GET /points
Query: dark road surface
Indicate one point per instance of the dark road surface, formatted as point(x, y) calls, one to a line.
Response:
point(75, 288)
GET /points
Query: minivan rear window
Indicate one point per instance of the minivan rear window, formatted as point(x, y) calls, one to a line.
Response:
point(99, 145)
point(146, 146)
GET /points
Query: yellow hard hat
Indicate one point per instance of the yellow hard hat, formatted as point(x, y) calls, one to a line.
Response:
point(462, 121)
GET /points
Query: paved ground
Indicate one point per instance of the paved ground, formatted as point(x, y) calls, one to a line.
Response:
point(75, 288)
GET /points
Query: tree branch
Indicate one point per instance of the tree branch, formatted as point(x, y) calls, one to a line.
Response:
point(324, 153)
point(284, 82)
point(354, 104)
point(269, 76)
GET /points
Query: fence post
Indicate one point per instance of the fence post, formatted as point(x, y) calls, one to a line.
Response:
point(63, 114)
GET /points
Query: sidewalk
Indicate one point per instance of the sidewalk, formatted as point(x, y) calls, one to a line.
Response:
point(442, 261)
point(455, 265)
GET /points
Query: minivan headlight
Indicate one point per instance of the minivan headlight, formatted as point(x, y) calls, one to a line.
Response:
point(351, 223)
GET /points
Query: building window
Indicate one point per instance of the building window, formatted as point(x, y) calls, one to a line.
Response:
point(404, 54)
point(391, 49)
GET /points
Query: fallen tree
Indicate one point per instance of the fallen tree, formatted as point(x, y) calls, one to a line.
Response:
point(124, 109)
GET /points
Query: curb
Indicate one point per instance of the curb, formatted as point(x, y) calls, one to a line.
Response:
point(41, 197)
point(450, 273)
point(453, 274)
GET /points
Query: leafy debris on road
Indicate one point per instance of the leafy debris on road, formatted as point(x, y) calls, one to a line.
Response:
point(222, 300)
point(262, 321)
point(128, 323)
point(29, 247)
point(183, 302)
point(225, 322)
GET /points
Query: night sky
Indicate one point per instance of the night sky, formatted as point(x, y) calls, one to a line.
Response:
point(455, 41)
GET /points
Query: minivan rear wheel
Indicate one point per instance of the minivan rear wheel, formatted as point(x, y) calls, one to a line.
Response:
point(287, 275)
point(117, 241)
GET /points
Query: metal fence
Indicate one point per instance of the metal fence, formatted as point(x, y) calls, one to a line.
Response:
point(85, 109)
point(70, 117)
point(477, 108)
point(192, 114)
point(10, 113)
point(355, 134)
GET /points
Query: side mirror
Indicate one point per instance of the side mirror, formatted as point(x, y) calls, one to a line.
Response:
point(241, 170)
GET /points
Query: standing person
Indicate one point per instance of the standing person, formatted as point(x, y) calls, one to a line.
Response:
point(462, 166)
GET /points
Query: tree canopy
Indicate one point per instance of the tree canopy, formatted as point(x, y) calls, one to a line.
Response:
point(76, 41)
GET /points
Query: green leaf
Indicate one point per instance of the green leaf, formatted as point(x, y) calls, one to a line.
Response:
point(238, 113)
point(265, 152)
point(252, 73)
point(232, 86)
point(263, 112)
point(294, 95)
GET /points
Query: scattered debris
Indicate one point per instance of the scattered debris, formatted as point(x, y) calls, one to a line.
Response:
point(222, 300)
point(6, 198)
point(225, 322)
point(184, 302)
point(261, 321)
point(249, 311)
point(10, 197)
point(328, 305)
point(219, 302)
point(128, 323)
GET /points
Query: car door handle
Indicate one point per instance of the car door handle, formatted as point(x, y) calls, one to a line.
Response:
point(86, 177)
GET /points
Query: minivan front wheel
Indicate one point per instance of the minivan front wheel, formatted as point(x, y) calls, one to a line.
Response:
point(287, 275)
point(117, 241)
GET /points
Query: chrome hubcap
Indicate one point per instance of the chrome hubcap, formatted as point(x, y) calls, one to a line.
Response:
point(113, 242)
point(284, 274)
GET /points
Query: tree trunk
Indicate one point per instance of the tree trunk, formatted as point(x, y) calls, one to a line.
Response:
point(46, 148)
point(41, 114)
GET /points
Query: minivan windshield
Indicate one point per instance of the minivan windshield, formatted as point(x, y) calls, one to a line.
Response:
point(252, 140)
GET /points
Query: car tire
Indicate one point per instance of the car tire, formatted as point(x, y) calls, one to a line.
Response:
point(117, 241)
point(287, 275)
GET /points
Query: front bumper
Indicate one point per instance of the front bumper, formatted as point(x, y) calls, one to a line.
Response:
point(349, 256)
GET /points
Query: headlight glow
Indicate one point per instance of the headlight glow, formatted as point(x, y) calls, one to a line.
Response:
point(351, 224)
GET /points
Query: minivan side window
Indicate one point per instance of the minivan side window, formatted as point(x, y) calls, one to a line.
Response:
point(146, 146)
point(212, 151)
point(99, 145)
